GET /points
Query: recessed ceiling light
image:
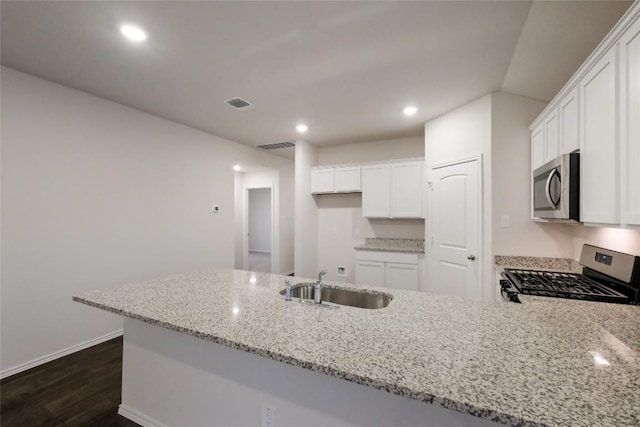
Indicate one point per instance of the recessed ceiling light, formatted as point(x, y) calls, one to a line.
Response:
point(302, 128)
point(236, 168)
point(133, 33)
point(410, 111)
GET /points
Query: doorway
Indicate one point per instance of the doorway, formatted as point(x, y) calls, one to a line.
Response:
point(455, 218)
point(259, 230)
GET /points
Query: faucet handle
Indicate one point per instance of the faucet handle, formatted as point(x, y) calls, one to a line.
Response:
point(287, 292)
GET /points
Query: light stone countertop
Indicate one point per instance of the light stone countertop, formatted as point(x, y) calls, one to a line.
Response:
point(520, 364)
point(392, 245)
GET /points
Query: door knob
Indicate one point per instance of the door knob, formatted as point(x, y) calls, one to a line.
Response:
point(471, 257)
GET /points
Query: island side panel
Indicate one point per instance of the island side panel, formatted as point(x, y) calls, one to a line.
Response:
point(172, 379)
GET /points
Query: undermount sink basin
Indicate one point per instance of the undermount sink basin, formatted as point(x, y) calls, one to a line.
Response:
point(360, 299)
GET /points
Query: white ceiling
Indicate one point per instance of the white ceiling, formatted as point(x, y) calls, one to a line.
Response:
point(346, 69)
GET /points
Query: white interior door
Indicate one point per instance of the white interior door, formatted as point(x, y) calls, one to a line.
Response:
point(456, 218)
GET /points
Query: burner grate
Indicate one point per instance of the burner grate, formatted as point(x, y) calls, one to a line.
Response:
point(564, 285)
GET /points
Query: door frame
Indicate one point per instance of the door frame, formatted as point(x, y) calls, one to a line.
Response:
point(480, 224)
point(245, 226)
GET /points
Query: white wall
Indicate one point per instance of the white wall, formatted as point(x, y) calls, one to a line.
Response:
point(95, 194)
point(260, 220)
point(617, 239)
point(511, 181)
point(340, 222)
point(463, 133)
point(401, 148)
point(306, 212)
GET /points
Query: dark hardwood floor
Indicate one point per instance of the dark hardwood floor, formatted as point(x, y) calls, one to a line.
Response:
point(82, 389)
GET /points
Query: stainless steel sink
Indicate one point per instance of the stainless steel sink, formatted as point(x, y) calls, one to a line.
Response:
point(360, 299)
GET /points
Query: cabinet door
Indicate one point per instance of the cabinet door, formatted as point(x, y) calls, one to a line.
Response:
point(402, 276)
point(370, 273)
point(322, 180)
point(551, 136)
point(569, 125)
point(347, 179)
point(599, 176)
point(376, 189)
point(630, 125)
point(406, 190)
point(537, 147)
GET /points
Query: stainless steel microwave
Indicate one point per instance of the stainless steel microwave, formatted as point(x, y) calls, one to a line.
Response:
point(556, 189)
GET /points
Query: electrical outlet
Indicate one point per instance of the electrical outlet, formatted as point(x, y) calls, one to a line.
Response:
point(215, 208)
point(268, 413)
point(342, 271)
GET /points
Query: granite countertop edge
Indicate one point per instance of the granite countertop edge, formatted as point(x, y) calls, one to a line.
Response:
point(387, 244)
point(388, 249)
point(444, 402)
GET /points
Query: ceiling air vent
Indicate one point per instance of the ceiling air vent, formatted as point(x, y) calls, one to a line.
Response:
point(277, 145)
point(239, 103)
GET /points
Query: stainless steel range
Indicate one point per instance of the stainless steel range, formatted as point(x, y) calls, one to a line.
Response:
point(607, 276)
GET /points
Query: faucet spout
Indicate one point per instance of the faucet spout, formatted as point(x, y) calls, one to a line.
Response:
point(317, 292)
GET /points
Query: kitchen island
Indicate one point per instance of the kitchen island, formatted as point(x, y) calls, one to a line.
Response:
point(544, 362)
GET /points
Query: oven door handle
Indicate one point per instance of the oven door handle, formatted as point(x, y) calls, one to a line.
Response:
point(550, 178)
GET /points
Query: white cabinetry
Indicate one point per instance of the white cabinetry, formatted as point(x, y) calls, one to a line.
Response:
point(537, 147)
point(376, 191)
point(322, 180)
point(399, 270)
point(402, 276)
point(347, 179)
point(629, 49)
point(569, 123)
point(551, 136)
point(598, 111)
point(557, 133)
point(335, 179)
point(598, 146)
point(392, 190)
point(370, 273)
point(406, 190)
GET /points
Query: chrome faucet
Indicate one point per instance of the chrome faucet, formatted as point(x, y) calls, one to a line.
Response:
point(317, 292)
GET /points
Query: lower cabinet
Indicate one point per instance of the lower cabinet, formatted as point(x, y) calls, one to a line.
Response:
point(370, 273)
point(399, 270)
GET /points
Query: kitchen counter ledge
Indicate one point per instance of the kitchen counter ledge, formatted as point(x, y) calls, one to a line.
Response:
point(519, 364)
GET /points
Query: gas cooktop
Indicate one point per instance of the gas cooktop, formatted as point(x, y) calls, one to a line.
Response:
point(608, 276)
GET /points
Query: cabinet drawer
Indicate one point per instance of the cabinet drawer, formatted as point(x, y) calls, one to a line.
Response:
point(381, 256)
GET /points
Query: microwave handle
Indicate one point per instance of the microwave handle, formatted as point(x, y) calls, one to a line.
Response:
point(547, 191)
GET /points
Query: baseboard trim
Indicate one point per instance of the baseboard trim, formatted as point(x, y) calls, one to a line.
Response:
point(138, 417)
point(58, 354)
point(287, 273)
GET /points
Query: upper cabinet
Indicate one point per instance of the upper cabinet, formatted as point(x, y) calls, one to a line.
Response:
point(598, 145)
point(557, 133)
point(552, 136)
point(322, 180)
point(335, 179)
point(376, 194)
point(569, 123)
point(392, 190)
point(598, 112)
point(537, 147)
point(629, 70)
